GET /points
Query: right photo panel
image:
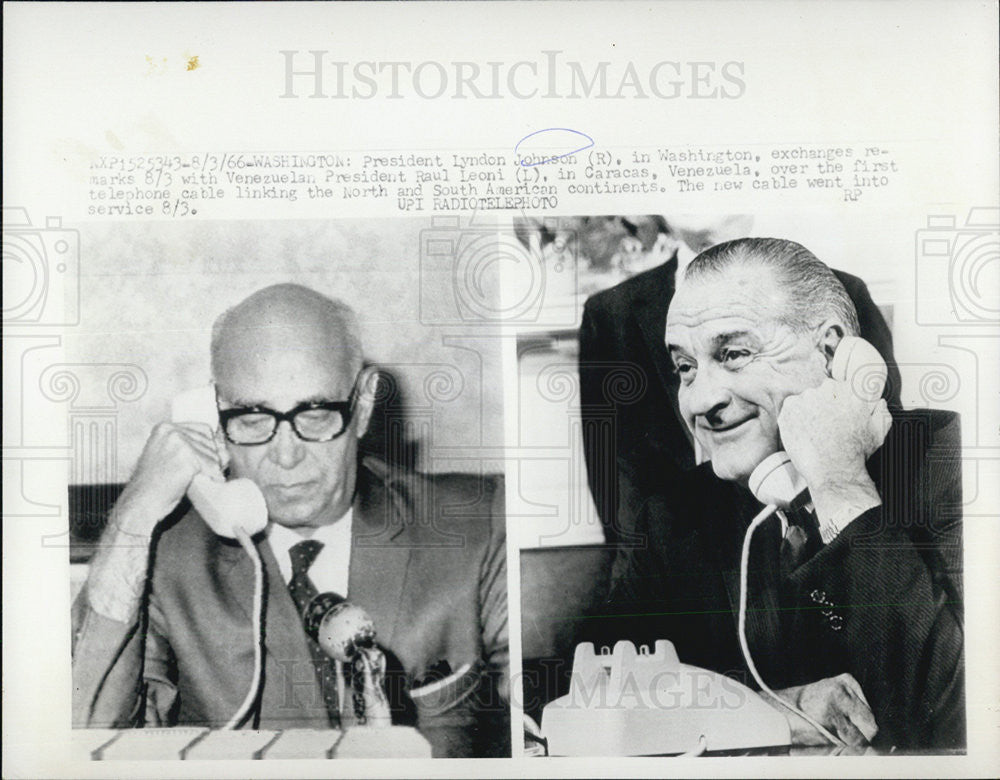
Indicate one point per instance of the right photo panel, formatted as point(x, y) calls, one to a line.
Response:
point(742, 533)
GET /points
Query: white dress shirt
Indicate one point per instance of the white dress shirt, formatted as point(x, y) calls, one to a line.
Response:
point(331, 569)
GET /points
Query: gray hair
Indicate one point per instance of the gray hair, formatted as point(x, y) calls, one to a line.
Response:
point(294, 303)
point(813, 292)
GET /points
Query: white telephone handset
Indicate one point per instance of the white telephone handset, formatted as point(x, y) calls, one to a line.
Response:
point(775, 481)
point(224, 506)
point(235, 509)
point(777, 484)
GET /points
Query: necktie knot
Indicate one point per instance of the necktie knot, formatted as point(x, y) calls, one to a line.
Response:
point(303, 556)
point(802, 540)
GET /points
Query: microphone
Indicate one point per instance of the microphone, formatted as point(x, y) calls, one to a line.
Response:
point(346, 633)
point(340, 627)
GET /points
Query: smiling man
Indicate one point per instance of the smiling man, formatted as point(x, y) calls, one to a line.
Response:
point(855, 606)
point(621, 334)
point(744, 344)
point(163, 630)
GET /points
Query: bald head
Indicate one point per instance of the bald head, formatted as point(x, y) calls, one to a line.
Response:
point(283, 318)
point(289, 348)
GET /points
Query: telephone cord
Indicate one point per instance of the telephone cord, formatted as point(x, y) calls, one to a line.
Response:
point(745, 646)
point(258, 608)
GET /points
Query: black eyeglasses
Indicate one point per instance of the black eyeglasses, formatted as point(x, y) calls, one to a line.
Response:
point(314, 421)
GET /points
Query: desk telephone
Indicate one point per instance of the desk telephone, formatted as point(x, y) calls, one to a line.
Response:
point(624, 702)
point(633, 702)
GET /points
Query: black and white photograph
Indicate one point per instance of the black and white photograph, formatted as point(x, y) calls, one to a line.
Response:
point(282, 520)
point(771, 524)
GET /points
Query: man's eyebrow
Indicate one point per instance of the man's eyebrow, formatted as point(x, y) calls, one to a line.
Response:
point(242, 403)
point(731, 335)
point(247, 403)
point(319, 399)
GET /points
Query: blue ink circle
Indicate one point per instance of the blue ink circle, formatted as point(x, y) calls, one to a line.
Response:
point(587, 145)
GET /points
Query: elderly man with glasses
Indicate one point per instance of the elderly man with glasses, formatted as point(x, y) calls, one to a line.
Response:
point(163, 633)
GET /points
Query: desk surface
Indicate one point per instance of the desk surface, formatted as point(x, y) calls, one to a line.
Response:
point(195, 744)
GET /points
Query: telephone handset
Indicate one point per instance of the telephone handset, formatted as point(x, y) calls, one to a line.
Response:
point(775, 481)
point(225, 506)
point(235, 509)
point(777, 484)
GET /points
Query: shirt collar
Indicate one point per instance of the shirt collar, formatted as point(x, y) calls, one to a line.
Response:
point(334, 536)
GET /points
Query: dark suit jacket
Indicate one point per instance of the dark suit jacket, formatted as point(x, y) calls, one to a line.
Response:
point(428, 564)
point(882, 601)
point(627, 387)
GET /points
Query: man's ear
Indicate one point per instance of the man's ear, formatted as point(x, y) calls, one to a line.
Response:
point(365, 404)
point(831, 333)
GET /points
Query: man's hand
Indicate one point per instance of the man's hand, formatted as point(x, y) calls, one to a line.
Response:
point(829, 432)
point(836, 703)
point(173, 455)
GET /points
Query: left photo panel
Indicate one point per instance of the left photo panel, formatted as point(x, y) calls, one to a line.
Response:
point(285, 486)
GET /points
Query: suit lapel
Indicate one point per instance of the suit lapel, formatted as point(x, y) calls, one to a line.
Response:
point(236, 577)
point(380, 553)
point(284, 635)
point(763, 625)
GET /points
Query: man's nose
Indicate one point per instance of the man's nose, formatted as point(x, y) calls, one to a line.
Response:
point(286, 447)
point(708, 394)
